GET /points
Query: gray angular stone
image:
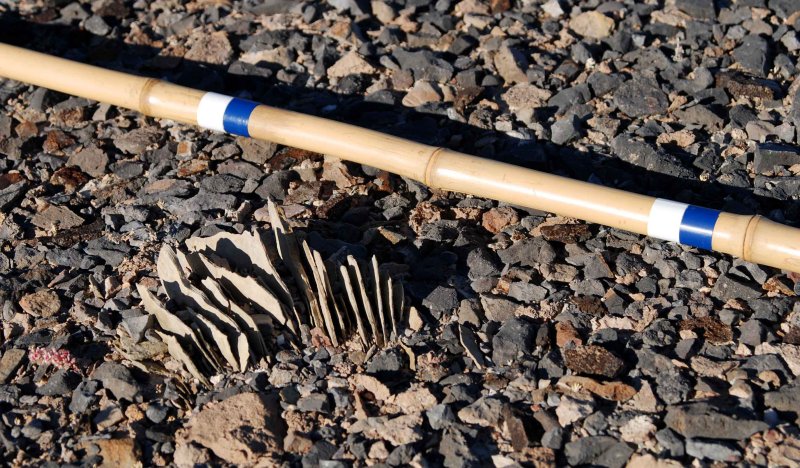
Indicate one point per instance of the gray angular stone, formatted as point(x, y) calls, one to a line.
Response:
point(276, 185)
point(768, 156)
point(314, 403)
point(497, 308)
point(754, 55)
point(10, 194)
point(528, 252)
point(91, 160)
point(673, 387)
point(113, 253)
point(643, 155)
point(565, 130)
point(638, 98)
point(784, 399)
point(483, 262)
point(425, 65)
point(727, 287)
point(568, 97)
point(752, 332)
point(515, 336)
point(156, 412)
point(700, 9)
point(388, 360)
point(96, 25)
point(703, 420)
point(84, 396)
point(138, 140)
point(598, 451)
point(117, 379)
point(137, 325)
point(526, 292)
point(712, 450)
point(671, 442)
point(60, 383)
point(442, 299)
point(440, 417)
point(222, 183)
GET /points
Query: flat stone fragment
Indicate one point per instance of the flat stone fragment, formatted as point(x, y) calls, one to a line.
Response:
point(214, 48)
point(754, 55)
point(400, 430)
point(351, 63)
point(768, 156)
point(515, 336)
point(592, 24)
point(138, 140)
point(637, 98)
point(712, 450)
point(242, 429)
point(511, 65)
point(787, 398)
point(44, 303)
point(700, 9)
point(10, 362)
point(56, 217)
point(703, 420)
point(598, 451)
point(91, 160)
point(117, 452)
point(117, 379)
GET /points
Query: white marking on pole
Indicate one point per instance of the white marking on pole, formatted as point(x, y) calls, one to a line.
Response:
point(665, 220)
point(211, 111)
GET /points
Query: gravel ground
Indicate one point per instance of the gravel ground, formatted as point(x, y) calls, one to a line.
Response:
point(535, 340)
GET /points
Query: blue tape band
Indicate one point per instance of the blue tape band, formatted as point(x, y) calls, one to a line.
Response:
point(697, 226)
point(237, 114)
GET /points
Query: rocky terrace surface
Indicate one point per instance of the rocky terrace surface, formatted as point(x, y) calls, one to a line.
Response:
point(539, 340)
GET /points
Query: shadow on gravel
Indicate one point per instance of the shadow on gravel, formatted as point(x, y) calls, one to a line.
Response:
point(429, 125)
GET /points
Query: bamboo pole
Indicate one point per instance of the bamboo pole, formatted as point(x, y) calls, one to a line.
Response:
point(752, 238)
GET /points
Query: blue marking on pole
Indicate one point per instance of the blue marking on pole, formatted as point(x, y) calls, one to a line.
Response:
point(236, 116)
point(697, 226)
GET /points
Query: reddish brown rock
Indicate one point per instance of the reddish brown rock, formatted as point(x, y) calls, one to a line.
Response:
point(566, 333)
point(56, 140)
point(712, 329)
point(496, 219)
point(593, 360)
point(566, 233)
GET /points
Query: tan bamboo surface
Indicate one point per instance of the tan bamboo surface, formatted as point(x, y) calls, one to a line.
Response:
point(752, 238)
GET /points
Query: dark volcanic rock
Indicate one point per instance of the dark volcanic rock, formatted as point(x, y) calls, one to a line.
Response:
point(598, 451)
point(754, 55)
point(643, 155)
point(515, 336)
point(768, 156)
point(700, 9)
point(638, 98)
point(425, 65)
point(118, 380)
point(784, 399)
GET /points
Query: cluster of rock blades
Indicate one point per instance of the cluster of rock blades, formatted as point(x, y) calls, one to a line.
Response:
point(231, 289)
